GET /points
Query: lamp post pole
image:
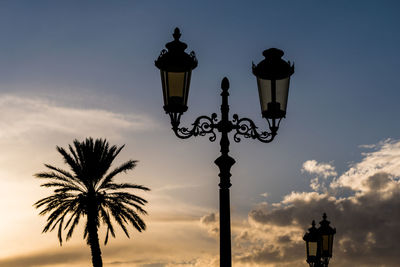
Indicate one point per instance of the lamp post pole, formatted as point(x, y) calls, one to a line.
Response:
point(224, 163)
point(175, 68)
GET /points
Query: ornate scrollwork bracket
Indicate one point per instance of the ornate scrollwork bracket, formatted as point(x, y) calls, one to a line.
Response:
point(247, 128)
point(202, 126)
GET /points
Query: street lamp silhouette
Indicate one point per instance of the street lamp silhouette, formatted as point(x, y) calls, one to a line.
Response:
point(273, 76)
point(319, 243)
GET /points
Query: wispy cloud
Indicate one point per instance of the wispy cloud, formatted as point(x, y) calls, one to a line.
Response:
point(321, 169)
point(211, 223)
point(26, 116)
point(46, 258)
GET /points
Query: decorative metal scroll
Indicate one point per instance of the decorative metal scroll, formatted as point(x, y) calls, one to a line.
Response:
point(247, 128)
point(202, 126)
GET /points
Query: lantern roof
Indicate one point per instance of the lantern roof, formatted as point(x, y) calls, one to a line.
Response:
point(174, 58)
point(325, 228)
point(312, 235)
point(273, 67)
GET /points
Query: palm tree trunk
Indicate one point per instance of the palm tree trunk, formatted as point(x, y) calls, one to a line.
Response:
point(94, 242)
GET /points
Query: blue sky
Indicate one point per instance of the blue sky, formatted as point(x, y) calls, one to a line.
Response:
point(71, 69)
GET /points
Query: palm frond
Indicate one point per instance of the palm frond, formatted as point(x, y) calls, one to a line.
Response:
point(77, 216)
point(106, 219)
point(60, 230)
point(114, 186)
point(53, 175)
point(65, 173)
point(136, 221)
point(124, 196)
point(75, 165)
point(64, 187)
point(129, 165)
point(118, 215)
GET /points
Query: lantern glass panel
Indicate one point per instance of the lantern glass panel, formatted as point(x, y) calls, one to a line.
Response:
point(325, 243)
point(273, 97)
point(264, 91)
point(175, 90)
point(312, 249)
point(282, 90)
point(176, 84)
point(164, 86)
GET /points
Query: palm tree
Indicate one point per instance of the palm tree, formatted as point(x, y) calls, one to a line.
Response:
point(89, 191)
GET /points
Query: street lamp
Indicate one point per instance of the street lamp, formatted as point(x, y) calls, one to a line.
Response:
point(311, 239)
point(273, 75)
point(319, 243)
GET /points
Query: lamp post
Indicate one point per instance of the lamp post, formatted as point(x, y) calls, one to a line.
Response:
point(319, 243)
point(273, 75)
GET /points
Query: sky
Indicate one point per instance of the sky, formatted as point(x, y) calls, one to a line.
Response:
point(74, 69)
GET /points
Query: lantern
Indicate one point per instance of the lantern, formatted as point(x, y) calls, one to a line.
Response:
point(312, 239)
point(273, 76)
point(175, 68)
point(326, 232)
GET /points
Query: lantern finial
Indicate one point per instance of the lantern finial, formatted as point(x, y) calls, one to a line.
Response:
point(324, 221)
point(273, 54)
point(225, 84)
point(177, 34)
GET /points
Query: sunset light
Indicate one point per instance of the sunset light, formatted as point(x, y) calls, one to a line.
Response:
point(324, 147)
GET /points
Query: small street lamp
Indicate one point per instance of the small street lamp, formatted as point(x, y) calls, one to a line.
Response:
point(273, 76)
point(319, 243)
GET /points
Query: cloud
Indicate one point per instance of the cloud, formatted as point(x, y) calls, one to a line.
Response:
point(31, 116)
point(208, 219)
point(211, 223)
point(322, 172)
point(367, 219)
point(384, 159)
point(367, 146)
point(196, 262)
point(320, 169)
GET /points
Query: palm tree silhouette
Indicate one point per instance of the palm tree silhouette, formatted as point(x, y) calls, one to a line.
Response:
point(90, 191)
